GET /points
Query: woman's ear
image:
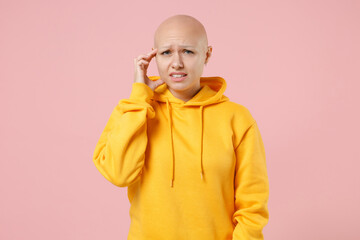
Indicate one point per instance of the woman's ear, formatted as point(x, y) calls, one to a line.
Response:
point(208, 54)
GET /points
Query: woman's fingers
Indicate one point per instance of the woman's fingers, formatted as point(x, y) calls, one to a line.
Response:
point(148, 56)
point(141, 64)
point(143, 56)
point(152, 53)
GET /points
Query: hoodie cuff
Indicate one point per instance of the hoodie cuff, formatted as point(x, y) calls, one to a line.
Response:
point(141, 91)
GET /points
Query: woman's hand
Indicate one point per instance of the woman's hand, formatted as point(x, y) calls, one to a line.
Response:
point(141, 64)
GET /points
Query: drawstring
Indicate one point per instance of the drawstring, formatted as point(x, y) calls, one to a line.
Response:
point(201, 142)
point(172, 142)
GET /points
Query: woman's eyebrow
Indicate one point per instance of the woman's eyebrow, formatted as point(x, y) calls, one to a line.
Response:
point(182, 46)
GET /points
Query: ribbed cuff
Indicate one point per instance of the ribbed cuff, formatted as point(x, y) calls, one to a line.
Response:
point(141, 91)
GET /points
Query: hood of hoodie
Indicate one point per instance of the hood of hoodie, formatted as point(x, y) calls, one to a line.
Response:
point(211, 92)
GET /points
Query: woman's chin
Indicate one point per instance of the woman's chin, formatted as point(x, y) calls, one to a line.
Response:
point(177, 86)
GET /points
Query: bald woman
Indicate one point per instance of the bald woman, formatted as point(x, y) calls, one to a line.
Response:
point(192, 160)
point(180, 32)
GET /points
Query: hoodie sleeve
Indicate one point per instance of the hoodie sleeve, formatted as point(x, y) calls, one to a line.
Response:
point(120, 152)
point(251, 187)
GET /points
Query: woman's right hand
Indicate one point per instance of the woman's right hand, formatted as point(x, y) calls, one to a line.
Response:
point(141, 64)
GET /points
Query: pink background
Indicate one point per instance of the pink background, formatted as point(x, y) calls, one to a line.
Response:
point(64, 65)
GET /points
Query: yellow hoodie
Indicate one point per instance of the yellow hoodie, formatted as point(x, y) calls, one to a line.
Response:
point(194, 170)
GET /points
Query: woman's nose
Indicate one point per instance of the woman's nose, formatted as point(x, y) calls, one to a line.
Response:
point(177, 61)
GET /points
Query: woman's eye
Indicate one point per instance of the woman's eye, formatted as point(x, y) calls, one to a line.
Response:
point(168, 52)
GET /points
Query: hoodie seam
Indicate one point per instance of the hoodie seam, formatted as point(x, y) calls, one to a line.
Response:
point(245, 133)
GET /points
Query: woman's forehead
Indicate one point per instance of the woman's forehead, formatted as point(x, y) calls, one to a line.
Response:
point(171, 40)
point(174, 45)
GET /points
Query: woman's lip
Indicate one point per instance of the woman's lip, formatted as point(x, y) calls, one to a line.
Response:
point(176, 79)
point(178, 73)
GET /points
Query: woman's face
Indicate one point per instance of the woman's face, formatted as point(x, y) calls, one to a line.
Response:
point(181, 51)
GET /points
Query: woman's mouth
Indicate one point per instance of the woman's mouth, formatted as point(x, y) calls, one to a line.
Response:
point(178, 77)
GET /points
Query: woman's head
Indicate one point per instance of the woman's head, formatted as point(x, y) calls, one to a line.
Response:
point(182, 47)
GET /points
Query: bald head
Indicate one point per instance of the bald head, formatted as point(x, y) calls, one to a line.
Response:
point(184, 27)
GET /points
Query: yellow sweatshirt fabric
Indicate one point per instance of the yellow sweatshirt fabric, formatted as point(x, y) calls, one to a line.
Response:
point(193, 170)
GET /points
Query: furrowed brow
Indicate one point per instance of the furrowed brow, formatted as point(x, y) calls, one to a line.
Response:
point(182, 46)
